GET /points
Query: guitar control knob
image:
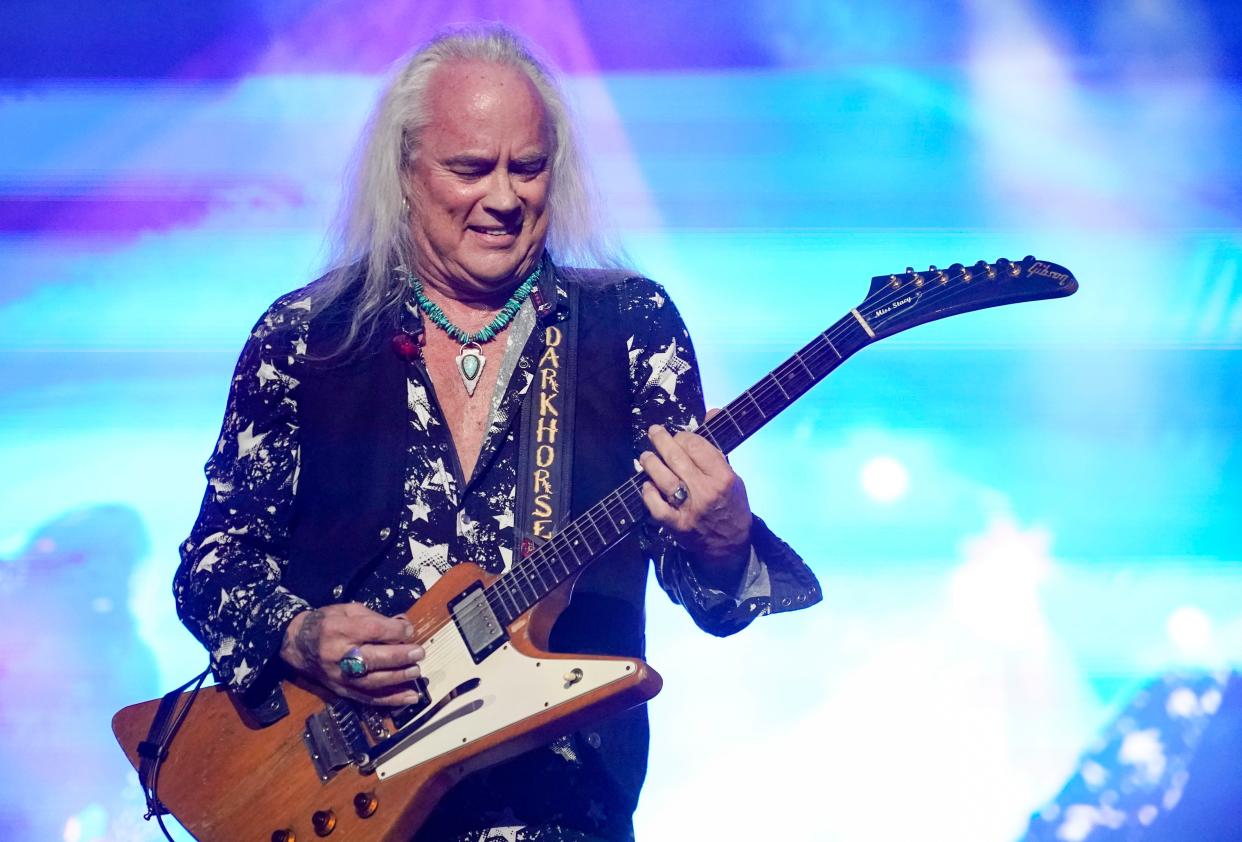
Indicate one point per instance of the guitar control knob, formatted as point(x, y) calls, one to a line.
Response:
point(324, 822)
point(365, 804)
point(283, 836)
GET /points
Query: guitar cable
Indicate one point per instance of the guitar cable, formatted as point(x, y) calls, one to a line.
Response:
point(154, 748)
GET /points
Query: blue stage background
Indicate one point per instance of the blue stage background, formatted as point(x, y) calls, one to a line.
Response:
point(1019, 516)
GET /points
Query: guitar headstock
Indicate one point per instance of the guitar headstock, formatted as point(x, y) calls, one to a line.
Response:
point(901, 301)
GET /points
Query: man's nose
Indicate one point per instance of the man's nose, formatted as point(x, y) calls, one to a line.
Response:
point(501, 197)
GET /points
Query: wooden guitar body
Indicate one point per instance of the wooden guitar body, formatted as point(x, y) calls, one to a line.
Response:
point(225, 779)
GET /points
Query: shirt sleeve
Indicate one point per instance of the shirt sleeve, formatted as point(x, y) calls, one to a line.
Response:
point(228, 587)
point(666, 390)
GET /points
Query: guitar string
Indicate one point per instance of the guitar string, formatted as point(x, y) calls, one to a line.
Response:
point(532, 566)
point(768, 387)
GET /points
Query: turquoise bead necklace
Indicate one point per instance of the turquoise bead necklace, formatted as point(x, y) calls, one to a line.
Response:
point(471, 360)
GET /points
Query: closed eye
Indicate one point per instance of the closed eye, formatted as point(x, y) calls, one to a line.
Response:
point(528, 166)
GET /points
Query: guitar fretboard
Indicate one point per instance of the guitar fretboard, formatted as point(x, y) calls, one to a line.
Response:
point(596, 530)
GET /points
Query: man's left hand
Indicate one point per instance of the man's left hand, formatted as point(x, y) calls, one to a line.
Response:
point(711, 518)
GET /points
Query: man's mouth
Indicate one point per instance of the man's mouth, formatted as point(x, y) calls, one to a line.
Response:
point(493, 230)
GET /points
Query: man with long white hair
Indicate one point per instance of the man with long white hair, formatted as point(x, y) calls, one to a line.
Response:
point(448, 392)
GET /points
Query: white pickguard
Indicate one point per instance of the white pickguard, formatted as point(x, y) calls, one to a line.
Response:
point(512, 687)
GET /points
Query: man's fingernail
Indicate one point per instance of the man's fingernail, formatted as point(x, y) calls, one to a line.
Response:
point(409, 630)
point(417, 653)
point(413, 672)
point(412, 697)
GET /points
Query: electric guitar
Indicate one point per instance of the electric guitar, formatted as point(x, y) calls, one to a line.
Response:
point(490, 689)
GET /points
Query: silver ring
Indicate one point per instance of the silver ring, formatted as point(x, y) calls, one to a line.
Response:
point(353, 665)
point(679, 495)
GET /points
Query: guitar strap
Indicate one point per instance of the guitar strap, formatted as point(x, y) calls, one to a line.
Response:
point(153, 750)
point(545, 451)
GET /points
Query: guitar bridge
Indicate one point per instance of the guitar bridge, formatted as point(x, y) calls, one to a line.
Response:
point(334, 738)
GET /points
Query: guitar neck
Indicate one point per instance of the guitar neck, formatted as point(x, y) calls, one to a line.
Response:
point(608, 521)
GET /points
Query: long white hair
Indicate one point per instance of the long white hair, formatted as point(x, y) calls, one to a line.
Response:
point(373, 229)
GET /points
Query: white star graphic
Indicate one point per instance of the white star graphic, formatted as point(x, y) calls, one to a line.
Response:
point(239, 674)
point(207, 562)
point(299, 347)
point(419, 510)
point(224, 600)
point(506, 555)
point(439, 477)
point(427, 562)
point(422, 554)
point(633, 352)
point(304, 304)
point(505, 518)
point(267, 373)
point(213, 538)
point(416, 396)
point(665, 367)
point(247, 441)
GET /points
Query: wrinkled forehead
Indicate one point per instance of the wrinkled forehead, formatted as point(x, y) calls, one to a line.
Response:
point(469, 102)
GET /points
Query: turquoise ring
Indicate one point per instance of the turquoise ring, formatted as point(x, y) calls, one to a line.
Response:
point(679, 495)
point(353, 665)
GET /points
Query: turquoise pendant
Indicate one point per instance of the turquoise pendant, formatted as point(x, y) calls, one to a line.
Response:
point(470, 363)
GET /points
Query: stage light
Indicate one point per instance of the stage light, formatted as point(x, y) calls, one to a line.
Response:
point(1190, 630)
point(884, 479)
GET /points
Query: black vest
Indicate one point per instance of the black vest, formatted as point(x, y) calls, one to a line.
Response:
point(353, 436)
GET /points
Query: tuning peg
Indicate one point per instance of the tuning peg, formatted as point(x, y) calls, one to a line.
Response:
point(990, 269)
point(1004, 265)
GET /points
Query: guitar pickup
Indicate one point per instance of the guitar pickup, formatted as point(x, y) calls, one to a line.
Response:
point(477, 623)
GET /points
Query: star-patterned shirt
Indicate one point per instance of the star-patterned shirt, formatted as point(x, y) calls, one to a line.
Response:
point(228, 588)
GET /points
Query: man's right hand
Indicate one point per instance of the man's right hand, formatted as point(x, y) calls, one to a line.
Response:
point(317, 639)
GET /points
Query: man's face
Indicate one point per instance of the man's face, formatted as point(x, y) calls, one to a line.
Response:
point(479, 180)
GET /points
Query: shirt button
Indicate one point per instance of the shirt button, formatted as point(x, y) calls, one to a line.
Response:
point(384, 533)
point(593, 739)
point(337, 591)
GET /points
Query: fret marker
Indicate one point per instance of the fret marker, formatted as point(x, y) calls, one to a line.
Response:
point(863, 322)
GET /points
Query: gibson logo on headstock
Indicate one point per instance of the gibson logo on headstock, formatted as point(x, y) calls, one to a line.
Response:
point(1046, 271)
point(891, 307)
